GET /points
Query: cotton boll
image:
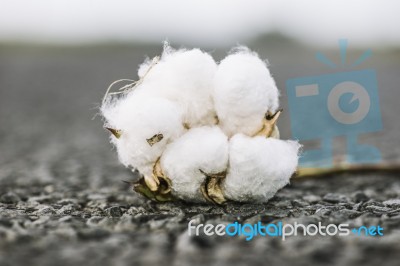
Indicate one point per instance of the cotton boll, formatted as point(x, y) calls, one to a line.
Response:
point(203, 149)
point(244, 91)
point(185, 77)
point(258, 167)
point(139, 119)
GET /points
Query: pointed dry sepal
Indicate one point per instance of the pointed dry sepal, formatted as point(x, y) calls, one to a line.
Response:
point(269, 128)
point(152, 183)
point(155, 139)
point(165, 184)
point(211, 187)
point(116, 132)
point(156, 187)
point(141, 187)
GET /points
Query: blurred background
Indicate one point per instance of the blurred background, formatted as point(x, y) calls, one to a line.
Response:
point(58, 57)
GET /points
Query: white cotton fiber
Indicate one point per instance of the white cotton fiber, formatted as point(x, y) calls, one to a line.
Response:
point(203, 148)
point(139, 119)
point(244, 91)
point(258, 167)
point(171, 114)
point(185, 77)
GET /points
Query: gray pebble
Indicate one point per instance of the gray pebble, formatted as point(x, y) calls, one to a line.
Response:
point(114, 211)
point(393, 203)
point(67, 209)
point(377, 209)
point(299, 203)
point(312, 198)
point(10, 198)
point(359, 196)
point(45, 211)
point(335, 198)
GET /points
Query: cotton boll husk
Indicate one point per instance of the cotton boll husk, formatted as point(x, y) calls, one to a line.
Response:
point(202, 148)
point(258, 167)
point(244, 91)
point(139, 119)
point(185, 77)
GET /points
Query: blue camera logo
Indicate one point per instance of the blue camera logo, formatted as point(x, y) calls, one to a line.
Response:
point(338, 104)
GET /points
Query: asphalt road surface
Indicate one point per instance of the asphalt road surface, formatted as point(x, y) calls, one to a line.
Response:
point(62, 201)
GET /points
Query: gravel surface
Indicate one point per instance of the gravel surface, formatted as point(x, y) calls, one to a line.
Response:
point(62, 201)
point(46, 224)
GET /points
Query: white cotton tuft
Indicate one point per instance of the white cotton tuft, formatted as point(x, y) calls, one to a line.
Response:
point(200, 149)
point(139, 119)
point(258, 167)
point(145, 67)
point(185, 77)
point(244, 91)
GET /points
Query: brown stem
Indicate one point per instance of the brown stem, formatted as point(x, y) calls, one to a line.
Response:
point(346, 168)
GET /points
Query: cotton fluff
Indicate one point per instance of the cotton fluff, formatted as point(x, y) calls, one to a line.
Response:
point(185, 77)
point(202, 149)
point(244, 91)
point(138, 119)
point(258, 167)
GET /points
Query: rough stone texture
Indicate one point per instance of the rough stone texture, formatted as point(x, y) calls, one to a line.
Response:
point(50, 224)
point(62, 202)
